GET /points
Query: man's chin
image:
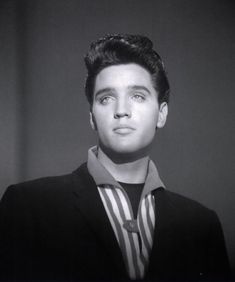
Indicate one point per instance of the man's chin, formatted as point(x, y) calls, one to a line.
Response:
point(129, 149)
point(125, 153)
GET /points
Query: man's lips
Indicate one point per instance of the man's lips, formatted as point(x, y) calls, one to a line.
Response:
point(123, 129)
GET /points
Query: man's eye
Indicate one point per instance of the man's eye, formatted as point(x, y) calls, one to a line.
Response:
point(105, 100)
point(139, 97)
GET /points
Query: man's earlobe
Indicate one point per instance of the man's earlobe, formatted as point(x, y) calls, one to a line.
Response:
point(162, 116)
point(92, 121)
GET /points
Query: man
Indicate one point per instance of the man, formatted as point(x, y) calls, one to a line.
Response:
point(112, 218)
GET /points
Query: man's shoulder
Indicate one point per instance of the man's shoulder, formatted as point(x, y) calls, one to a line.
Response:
point(186, 208)
point(51, 184)
point(185, 201)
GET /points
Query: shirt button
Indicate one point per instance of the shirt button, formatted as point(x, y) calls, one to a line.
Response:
point(131, 226)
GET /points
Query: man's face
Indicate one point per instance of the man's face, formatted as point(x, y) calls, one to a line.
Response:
point(125, 110)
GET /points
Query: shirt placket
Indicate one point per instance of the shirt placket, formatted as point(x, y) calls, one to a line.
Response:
point(142, 255)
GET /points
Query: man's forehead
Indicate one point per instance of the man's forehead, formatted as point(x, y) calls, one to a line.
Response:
point(126, 75)
point(133, 67)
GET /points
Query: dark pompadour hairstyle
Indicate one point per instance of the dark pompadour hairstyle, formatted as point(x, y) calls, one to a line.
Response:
point(123, 49)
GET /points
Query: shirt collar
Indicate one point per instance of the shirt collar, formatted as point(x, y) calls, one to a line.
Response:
point(102, 177)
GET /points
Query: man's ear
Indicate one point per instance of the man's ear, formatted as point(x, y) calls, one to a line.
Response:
point(92, 121)
point(162, 116)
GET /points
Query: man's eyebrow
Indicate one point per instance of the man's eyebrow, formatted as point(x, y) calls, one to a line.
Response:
point(131, 87)
point(139, 87)
point(104, 90)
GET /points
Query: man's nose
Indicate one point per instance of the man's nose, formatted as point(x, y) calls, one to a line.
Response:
point(122, 109)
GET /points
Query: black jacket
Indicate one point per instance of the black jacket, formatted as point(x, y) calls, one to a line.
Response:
point(56, 228)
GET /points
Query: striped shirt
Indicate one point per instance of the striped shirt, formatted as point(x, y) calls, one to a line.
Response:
point(134, 236)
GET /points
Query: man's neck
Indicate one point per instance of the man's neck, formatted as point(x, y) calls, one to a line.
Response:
point(132, 171)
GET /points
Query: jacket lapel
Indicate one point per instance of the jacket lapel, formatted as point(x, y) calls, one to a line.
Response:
point(163, 219)
point(166, 215)
point(88, 202)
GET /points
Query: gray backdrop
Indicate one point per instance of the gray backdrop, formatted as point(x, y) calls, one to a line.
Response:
point(44, 128)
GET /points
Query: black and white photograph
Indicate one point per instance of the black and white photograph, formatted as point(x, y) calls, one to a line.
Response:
point(117, 140)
